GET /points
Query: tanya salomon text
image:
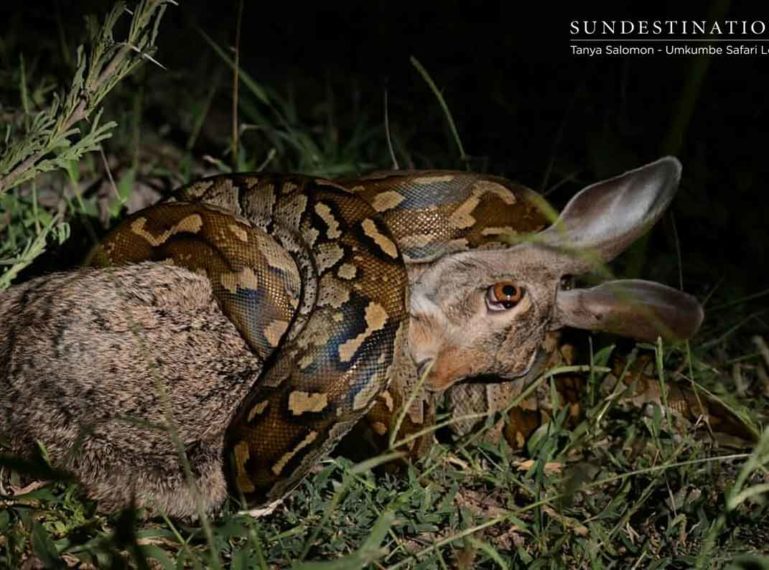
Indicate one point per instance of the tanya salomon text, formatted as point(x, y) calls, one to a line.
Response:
point(609, 49)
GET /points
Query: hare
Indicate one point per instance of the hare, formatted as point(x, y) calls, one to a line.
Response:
point(135, 380)
point(120, 373)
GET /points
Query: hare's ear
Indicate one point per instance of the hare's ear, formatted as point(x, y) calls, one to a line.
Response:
point(602, 220)
point(638, 309)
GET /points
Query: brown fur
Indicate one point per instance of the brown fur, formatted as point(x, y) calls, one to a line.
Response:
point(81, 372)
point(451, 326)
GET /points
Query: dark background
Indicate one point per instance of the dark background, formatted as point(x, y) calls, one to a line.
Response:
point(525, 107)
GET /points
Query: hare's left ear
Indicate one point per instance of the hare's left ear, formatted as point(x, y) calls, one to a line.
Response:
point(605, 218)
point(638, 309)
point(598, 224)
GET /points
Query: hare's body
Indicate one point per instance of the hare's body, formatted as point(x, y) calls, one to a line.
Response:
point(115, 411)
point(125, 373)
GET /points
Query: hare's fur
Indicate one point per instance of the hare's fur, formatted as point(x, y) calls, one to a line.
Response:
point(71, 380)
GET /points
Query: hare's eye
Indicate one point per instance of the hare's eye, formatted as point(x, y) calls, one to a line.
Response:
point(503, 295)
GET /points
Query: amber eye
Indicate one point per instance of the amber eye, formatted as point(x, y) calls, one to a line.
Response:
point(503, 295)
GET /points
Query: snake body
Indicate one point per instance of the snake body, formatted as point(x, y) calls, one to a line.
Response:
point(433, 213)
point(297, 263)
point(317, 270)
point(314, 274)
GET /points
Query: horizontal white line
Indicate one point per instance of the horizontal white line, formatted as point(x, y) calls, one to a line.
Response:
point(615, 40)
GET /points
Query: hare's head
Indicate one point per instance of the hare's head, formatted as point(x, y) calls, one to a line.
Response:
point(487, 312)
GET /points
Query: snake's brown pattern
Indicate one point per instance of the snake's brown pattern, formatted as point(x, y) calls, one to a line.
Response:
point(295, 262)
point(433, 212)
point(254, 279)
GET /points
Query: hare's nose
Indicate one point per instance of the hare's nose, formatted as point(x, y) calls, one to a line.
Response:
point(423, 366)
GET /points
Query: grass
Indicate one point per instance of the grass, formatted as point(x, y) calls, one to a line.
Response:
point(620, 491)
point(623, 488)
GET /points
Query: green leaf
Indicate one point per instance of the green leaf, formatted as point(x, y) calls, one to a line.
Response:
point(44, 548)
point(490, 551)
point(748, 562)
point(367, 554)
point(154, 552)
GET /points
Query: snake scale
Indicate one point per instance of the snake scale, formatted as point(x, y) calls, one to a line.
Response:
point(315, 276)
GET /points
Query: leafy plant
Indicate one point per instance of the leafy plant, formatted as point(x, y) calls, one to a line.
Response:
point(51, 138)
point(61, 132)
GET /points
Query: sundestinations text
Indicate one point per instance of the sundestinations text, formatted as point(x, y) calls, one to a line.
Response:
point(615, 28)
